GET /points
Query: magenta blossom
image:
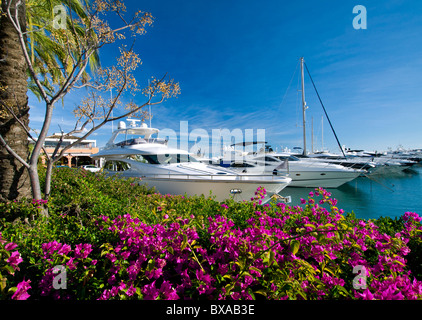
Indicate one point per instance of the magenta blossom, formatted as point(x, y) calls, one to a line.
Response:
point(21, 292)
point(14, 260)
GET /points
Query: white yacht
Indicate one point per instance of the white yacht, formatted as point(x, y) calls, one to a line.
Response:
point(412, 155)
point(304, 172)
point(365, 164)
point(133, 152)
point(381, 163)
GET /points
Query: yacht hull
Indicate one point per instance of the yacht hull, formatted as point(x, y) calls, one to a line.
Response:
point(240, 188)
point(315, 179)
point(220, 190)
point(306, 176)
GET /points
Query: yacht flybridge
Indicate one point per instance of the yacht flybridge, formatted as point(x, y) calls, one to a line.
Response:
point(133, 152)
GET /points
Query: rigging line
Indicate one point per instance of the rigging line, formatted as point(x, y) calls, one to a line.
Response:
point(290, 83)
point(332, 128)
point(288, 87)
point(376, 181)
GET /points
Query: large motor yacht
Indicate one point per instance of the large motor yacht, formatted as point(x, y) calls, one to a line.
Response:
point(304, 173)
point(133, 152)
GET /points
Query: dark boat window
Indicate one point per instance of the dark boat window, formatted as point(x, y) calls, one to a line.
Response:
point(241, 165)
point(117, 166)
point(163, 158)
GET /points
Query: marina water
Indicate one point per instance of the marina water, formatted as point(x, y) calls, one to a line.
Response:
point(379, 196)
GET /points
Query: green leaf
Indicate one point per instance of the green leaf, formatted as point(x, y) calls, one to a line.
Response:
point(251, 293)
point(229, 287)
point(170, 250)
point(185, 242)
point(341, 290)
point(227, 276)
point(12, 290)
point(150, 265)
point(329, 271)
point(399, 262)
point(255, 269)
point(9, 269)
point(2, 283)
point(321, 238)
point(267, 257)
point(272, 257)
point(261, 292)
point(240, 264)
point(344, 226)
point(294, 246)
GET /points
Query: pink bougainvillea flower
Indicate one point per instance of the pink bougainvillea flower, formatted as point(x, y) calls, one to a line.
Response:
point(10, 246)
point(14, 260)
point(21, 292)
point(150, 291)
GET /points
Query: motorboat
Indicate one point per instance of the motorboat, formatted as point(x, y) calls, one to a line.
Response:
point(304, 172)
point(133, 152)
point(391, 165)
point(353, 162)
point(381, 162)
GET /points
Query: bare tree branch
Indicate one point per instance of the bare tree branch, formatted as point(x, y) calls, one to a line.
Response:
point(4, 144)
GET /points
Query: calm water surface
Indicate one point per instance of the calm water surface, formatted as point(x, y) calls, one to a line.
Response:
point(387, 195)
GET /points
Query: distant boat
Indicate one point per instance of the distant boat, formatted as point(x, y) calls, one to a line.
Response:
point(374, 163)
point(366, 164)
point(175, 171)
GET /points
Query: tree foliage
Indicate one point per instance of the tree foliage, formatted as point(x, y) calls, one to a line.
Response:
point(73, 45)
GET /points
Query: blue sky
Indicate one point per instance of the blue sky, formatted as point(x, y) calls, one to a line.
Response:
point(237, 65)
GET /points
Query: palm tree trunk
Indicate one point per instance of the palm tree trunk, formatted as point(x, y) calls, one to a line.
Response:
point(14, 179)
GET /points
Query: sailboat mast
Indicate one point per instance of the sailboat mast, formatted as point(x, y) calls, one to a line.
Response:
point(312, 137)
point(322, 132)
point(303, 105)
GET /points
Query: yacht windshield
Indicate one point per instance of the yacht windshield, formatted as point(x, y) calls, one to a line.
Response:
point(290, 158)
point(267, 159)
point(293, 158)
point(163, 158)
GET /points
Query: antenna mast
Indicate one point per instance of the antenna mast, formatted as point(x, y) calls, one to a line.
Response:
point(112, 114)
point(149, 104)
point(303, 105)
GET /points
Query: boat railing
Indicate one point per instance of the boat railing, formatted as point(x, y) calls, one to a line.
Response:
point(214, 177)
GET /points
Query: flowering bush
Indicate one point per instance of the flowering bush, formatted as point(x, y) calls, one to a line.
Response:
point(9, 261)
point(103, 246)
point(67, 271)
point(285, 253)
